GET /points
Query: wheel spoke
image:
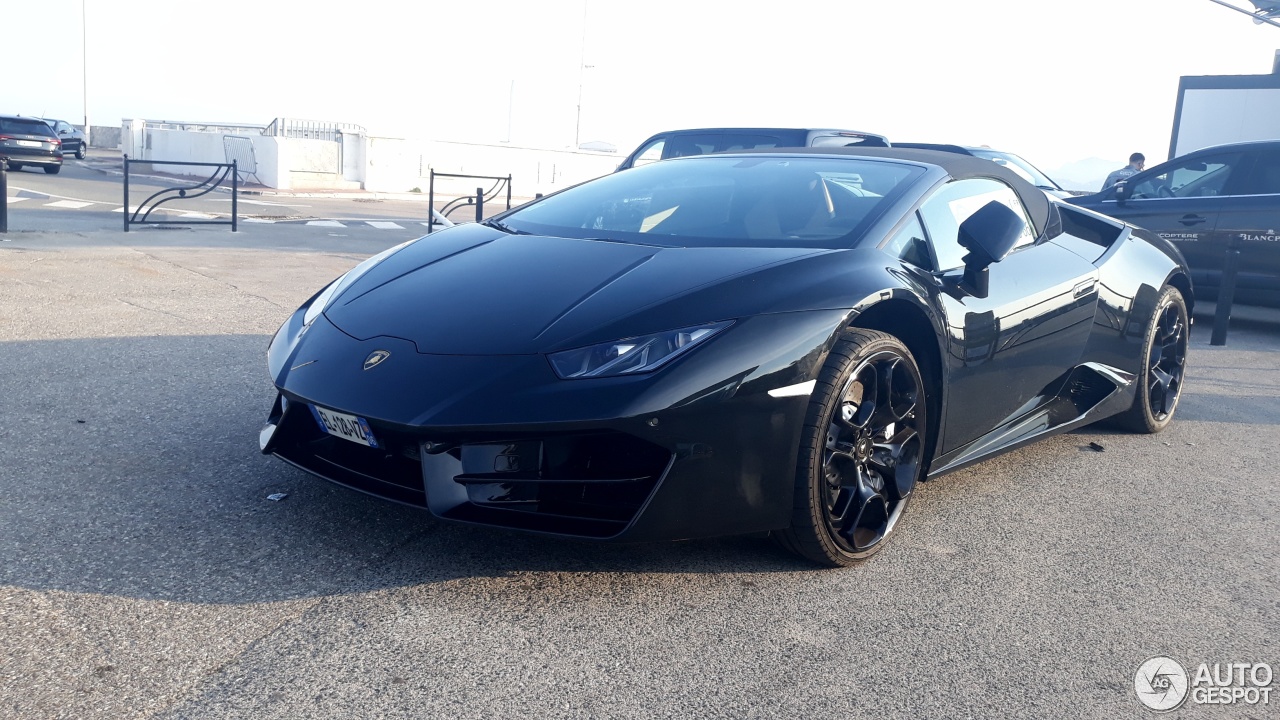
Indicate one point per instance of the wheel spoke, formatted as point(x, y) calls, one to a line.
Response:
point(897, 458)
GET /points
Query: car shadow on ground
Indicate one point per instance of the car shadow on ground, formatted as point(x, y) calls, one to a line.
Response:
point(131, 469)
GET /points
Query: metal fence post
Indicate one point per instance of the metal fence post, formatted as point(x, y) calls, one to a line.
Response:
point(235, 190)
point(479, 204)
point(431, 203)
point(1226, 294)
point(4, 194)
point(126, 193)
point(508, 192)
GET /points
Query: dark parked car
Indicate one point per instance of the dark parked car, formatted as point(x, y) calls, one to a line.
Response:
point(29, 141)
point(1206, 202)
point(72, 137)
point(682, 143)
point(1029, 172)
point(782, 341)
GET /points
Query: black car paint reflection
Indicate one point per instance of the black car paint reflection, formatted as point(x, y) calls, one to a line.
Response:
point(479, 428)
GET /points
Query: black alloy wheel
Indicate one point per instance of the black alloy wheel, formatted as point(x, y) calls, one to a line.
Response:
point(861, 452)
point(1159, 384)
point(80, 152)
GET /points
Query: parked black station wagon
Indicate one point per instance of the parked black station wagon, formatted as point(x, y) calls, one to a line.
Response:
point(1206, 202)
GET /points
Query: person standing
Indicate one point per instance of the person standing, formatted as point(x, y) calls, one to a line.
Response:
point(1137, 161)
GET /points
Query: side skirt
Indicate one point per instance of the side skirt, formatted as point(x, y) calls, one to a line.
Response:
point(1091, 392)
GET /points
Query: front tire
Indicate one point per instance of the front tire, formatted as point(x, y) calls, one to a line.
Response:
point(861, 451)
point(1164, 365)
point(15, 166)
point(80, 152)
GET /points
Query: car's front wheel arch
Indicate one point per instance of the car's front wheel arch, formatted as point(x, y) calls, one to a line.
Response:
point(908, 322)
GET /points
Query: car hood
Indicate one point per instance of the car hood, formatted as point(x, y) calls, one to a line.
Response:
point(474, 290)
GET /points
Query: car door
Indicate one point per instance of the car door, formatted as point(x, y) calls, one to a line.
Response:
point(1181, 201)
point(1250, 221)
point(1008, 352)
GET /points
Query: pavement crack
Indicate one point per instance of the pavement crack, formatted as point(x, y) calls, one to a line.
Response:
point(143, 307)
point(206, 276)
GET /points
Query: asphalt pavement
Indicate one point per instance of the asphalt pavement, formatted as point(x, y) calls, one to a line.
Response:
point(146, 573)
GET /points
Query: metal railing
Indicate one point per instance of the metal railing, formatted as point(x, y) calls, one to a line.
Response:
point(478, 200)
point(142, 213)
point(311, 129)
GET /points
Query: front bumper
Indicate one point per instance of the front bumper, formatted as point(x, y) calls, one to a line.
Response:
point(699, 449)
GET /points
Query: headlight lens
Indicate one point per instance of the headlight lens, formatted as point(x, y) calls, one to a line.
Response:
point(345, 281)
point(632, 355)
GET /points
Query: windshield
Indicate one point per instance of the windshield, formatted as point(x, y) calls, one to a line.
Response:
point(1024, 169)
point(23, 126)
point(772, 201)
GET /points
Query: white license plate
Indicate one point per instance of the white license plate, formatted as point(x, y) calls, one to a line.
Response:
point(28, 143)
point(348, 427)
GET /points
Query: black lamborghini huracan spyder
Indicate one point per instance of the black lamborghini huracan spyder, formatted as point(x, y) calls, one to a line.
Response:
point(781, 341)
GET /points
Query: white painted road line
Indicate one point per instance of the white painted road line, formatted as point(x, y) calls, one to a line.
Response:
point(198, 216)
point(68, 204)
point(257, 220)
point(384, 225)
point(131, 210)
point(325, 223)
point(13, 200)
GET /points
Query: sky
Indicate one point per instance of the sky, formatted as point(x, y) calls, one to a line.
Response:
point(1056, 82)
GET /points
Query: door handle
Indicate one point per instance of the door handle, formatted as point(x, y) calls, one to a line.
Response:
point(1192, 219)
point(1084, 288)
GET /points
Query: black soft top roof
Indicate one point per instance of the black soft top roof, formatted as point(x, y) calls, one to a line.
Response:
point(954, 164)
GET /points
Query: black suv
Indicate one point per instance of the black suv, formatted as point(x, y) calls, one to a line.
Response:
point(679, 143)
point(1207, 202)
point(72, 137)
point(29, 141)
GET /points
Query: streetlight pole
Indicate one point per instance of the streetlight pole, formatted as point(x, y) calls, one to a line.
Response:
point(582, 65)
point(84, 69)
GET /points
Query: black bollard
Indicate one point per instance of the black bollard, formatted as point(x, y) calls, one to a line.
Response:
point(1226, 295)
point(4, 194)
point(479, 204)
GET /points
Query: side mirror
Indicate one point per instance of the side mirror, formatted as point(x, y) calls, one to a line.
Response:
point(1122, 192)
point(988, 235)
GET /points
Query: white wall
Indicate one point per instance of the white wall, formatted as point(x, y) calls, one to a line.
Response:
point(1215, 117)
point(375, 163)
point(397, 165)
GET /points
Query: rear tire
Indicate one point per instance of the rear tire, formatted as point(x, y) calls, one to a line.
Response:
point(1164, 364)
point(53, 169)
point(861, 451)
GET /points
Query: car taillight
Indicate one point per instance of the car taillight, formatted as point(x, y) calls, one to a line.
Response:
point(5, 137)
point(55, 141)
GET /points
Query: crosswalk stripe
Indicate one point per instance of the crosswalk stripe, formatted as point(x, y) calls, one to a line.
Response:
point(198, 216)
point(120, 210)
point(13, 200)
point(73, 204)
point(384, 225)
point(325, 223)
point(257, 220)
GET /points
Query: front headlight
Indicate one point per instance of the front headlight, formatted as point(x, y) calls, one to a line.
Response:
point(345, 281)
point(632, 355)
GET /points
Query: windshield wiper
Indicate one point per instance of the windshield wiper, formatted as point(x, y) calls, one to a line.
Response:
point(499, 225)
